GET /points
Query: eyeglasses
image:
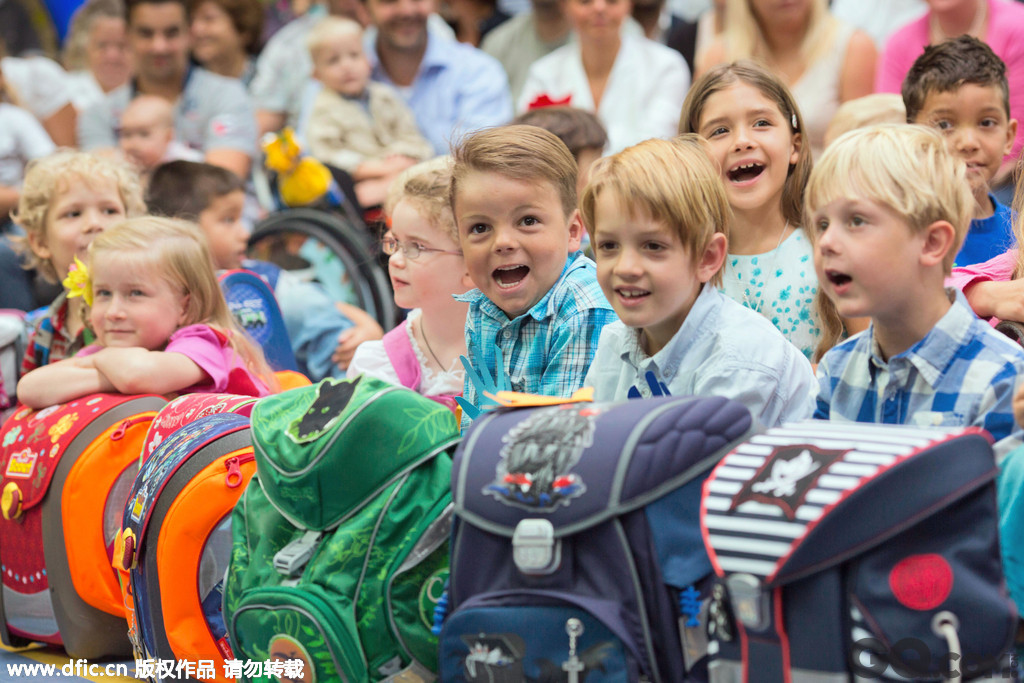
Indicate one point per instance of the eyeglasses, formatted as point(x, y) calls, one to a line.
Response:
point(411, 250)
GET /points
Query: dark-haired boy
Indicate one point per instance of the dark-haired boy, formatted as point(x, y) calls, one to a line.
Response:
point(959, 87)
point(320, 334)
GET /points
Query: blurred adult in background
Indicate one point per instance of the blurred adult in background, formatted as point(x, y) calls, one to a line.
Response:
point(823, 60)
point(996, 22)
point(472, 19)
point(635, 85)
point(96, 52)
point(226, 35)
point(17, 30)
point(878, 18)
point(527, 37)
point(39, 85)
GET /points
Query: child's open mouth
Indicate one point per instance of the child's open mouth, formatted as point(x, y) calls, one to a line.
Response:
point(838, 279)
point(632, 294)
point(510, 276)
point(745, 172)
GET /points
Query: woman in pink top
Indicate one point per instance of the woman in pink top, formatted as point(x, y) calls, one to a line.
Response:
point(998, 23)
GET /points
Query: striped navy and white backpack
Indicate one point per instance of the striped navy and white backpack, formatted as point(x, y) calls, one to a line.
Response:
point(855, 551)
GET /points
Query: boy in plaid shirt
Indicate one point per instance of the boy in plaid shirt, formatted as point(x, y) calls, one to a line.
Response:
point(889, 207)
point(537, 304)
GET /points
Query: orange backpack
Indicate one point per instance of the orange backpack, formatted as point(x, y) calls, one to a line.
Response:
point(67, 470)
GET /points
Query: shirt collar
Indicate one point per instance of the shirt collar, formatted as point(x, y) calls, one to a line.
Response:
point(433, 57)
point(701, 317)
point(546, 306)
point(933, 354)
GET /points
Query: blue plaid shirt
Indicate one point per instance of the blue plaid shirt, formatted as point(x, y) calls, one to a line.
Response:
point(548, 349)
point(963, 373)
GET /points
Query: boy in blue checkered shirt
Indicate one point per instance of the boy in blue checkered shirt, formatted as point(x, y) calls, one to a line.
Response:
point(536, 315)
point(889, 207)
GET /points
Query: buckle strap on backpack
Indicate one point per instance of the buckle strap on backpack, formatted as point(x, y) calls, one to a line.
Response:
point(292, 559)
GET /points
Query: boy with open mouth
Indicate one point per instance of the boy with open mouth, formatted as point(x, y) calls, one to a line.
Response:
point(537, 300)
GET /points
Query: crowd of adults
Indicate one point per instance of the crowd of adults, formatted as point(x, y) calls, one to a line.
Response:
point(237, 69)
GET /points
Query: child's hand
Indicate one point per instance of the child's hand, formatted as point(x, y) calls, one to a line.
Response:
point(992, 298)
point(484, 384)
point(365, 329)
point(1018, 405)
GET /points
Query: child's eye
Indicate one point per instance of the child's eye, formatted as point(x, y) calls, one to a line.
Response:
point(989, 123)
point(943, 124)
point(720, 130)
point(857, 220)
point(113, 211)
point(75, 213)
point(99, 293)
point(478, 229)
point(821, 225)
point(654, 246)
point(607, 245)
point(530, 220)
point(762, 123)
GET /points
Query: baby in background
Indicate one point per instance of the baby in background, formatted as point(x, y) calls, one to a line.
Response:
point(363, 128)
point(146, 136)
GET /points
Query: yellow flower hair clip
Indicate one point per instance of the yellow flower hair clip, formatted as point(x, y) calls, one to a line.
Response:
point(78, 283)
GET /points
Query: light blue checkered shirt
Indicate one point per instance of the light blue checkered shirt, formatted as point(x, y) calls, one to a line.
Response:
point(962, 373)
point(548, 349)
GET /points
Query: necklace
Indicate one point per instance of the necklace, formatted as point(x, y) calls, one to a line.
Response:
point(764, 269)
point(423, 333)
point(980, 15)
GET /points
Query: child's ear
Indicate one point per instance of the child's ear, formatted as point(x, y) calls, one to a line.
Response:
point(711, 260)
point(798, 143)
point(1011, 135)
point(468, 283)
point(37, 243)
point(938, 240)
point(183, 313)
point(575, 231)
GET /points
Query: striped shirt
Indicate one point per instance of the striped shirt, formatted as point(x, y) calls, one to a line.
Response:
point(548, 349)
point(961, 373)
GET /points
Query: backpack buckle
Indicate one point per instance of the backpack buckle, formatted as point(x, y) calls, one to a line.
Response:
point(535, 549)
point(749, 601)
point(291, 559)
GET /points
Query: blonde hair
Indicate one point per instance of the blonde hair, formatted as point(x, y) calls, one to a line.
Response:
point(772, 87)
point(328, 30)
point(178, 250)
point(862, 112)
point(525, 153)
point(905, 167)
point(670, 181)
point(47, 178)
point(74, 55)
point(744, 36)
point(426, 184)
point(1018, 223)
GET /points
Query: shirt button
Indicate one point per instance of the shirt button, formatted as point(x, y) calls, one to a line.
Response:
point(506, 334)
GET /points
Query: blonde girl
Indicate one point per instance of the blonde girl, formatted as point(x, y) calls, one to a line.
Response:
point(161, 323)
point(426, 268)
point(754, 129)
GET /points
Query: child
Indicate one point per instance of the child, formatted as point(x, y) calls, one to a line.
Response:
point(579, 129)
point(959, 87)
point(890, 206)
point(751, 121)
point(161, 323)
point(359, 126)
point(66, 200)
point(426, 268)
point(657, 215)
point(146, 135)
point(537, 309)
point(322, 337)
point(870, 110)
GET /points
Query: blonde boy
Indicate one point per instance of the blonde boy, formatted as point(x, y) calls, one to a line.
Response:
point(657, 214)
point(355, 124)
point(537, 300)
point(889, 206)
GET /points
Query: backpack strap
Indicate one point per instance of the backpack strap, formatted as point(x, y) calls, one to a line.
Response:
point(402, 356)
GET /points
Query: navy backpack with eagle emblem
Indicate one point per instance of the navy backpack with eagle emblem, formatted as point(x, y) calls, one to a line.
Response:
point(576, 548)
point(856, 551)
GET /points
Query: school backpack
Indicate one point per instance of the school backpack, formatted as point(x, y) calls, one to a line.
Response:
point(856, 551)
point(175, 538)
point(341, 538)
point(66, 474)
point(576, 549)
point(253, 304)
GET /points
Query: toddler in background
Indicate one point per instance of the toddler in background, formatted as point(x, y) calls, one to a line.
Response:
point(426, 268)
point(355, 124)
point(162, 325)
point(146, 135)
point(67, 199)
point(658, 216)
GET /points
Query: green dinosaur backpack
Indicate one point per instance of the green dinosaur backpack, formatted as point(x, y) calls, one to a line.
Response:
point(341, 539)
